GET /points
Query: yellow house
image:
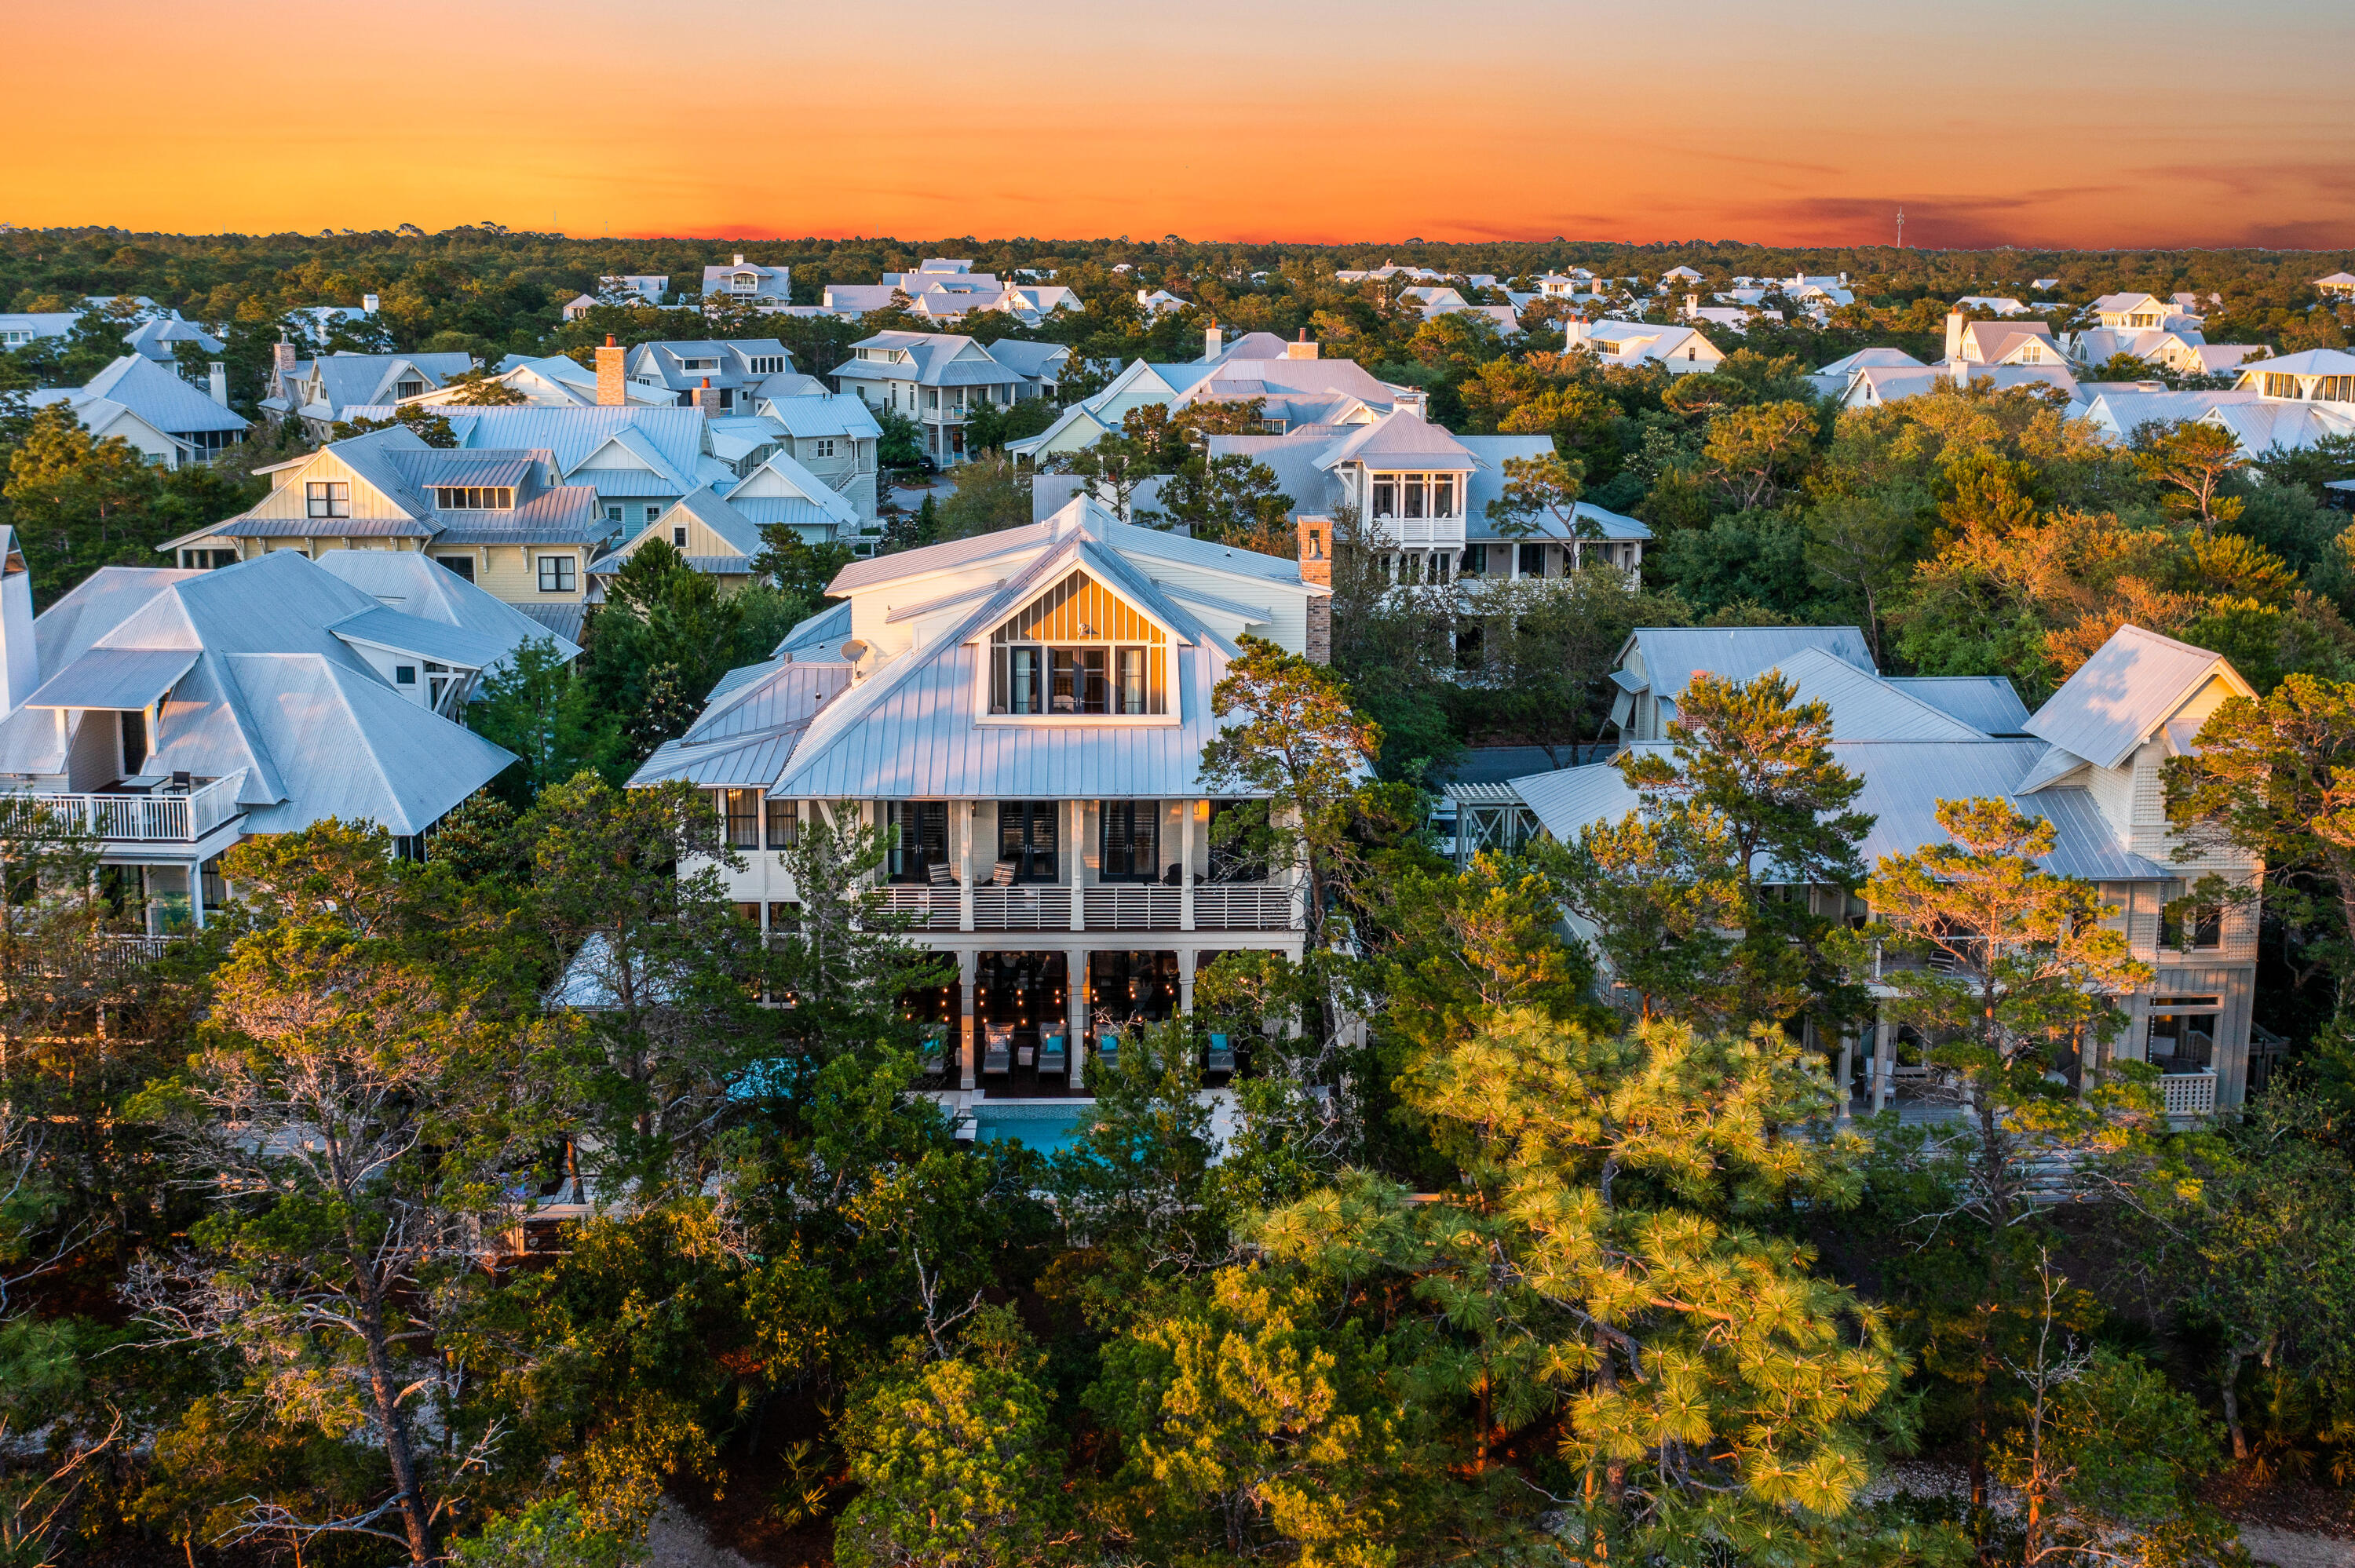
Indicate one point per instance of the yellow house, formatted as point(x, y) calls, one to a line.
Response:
point(501, 519)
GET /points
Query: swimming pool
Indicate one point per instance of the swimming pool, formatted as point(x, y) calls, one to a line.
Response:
point(1049, 1127)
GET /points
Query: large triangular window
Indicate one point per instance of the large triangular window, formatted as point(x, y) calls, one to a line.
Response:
point(1079, 650)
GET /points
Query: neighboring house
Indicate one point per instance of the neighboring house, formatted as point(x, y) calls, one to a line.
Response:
point(1658, 662)
point(2000, 343)
point(158, 339)
point(152, 408)
point(937, 380)
point(835, 437)
point(1435, 302)
point(319, 321)
point(501, 519)
point(637, 459)
point(630, 289)
point(1294, 388)
point(2301, 398)
point(2002, 305)
point(19, 328)
point(1682, 349)
point(1676, 276)
point(2118, 409)
point(1734, 318)
point(1836, 379)
point(172, 714)
point(2339, 285)
point(554, 381)
point(1027, 710)
point(2088, 761)
point(742, 280)
point(1424, 495)
point(1159, 302)
point(2140, 313)
point(324, 391)
point(946, 290)
point(2000, 354)
point(709, 532)
point(783, 491)
point(719, 377)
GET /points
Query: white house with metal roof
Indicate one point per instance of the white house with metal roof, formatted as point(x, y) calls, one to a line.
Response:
point(169, 421)
point(1028, 710)
point(2089, 762)
point(939, 379)
point(1682, 349)
point(322, 391)
point(742, 280)
point(173, 712)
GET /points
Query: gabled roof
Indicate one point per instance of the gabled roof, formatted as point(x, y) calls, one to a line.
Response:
point(829, 414)
point(436, 641)
point(1863, 706)
point(161, 397)
point(669, 439)
point(1401, 440)
point(779, 469)
point(1672, 653)
point(910, 730)
point(416, 585)
point(2132, 685)
point(1904, 782)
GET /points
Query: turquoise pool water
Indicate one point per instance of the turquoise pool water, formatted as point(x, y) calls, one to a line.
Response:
point(1047, 1128)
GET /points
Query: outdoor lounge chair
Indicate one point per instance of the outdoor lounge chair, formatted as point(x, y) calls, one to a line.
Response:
point(998, 1057)
point(1054, 1053)
point(1221, 1058)
point(936, 1057)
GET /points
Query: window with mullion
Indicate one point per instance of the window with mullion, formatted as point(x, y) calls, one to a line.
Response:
point(1129, 841)
point(921, 841)
point(1026, 836)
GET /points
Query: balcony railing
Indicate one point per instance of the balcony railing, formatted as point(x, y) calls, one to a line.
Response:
point(1245, 907)
point(2189, 1094)
point(1022, 908)
point(140, 819)
point(934, 908)
point(1218, 907)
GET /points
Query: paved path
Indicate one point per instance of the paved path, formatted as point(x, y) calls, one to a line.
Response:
point(2289, 1549)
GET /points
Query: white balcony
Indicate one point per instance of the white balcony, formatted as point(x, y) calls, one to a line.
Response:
point(2189, 1094)
point(1022, 907)
point(1245, 907)
point(163, 817)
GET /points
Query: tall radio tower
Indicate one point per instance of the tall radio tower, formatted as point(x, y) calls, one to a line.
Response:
point(1901, 229)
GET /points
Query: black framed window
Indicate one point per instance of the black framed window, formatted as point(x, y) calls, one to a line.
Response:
point(1129, 841)
point(1026, 836)
point(922, 840)
point(784, 826)
point(744, 807)
point(1077, 682)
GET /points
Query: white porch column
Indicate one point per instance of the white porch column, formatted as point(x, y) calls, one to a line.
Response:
point(1075, 991)
point(1884, 1059)
point(1186, 959)
point(967, 1063)
point(1185, 871)
point(1079, 820)
point(965, 864)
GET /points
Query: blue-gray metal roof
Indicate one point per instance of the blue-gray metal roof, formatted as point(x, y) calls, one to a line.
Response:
point(1672, 653)
point(1904, 782)
point(125, 678)
point(821, 635)
point(415, 583)
point(1988, 704)
point(435, 641)
point(2123, 694)
point(159, 397)
point(1863, 706)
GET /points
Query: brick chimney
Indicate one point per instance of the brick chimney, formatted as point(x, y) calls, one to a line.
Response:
point(1316, 569)
point(610, 383)
point(1304, 349)
point(282, 357)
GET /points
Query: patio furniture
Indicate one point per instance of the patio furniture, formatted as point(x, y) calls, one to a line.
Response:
point(1221, 1057)
point(998, 1056)
point(1002, 874)
point(940, 874)
point(935, 1055)
point(1025, 1053)
point(1054, 1053)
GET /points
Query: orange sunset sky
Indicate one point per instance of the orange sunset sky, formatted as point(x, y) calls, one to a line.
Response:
point(2078, 123)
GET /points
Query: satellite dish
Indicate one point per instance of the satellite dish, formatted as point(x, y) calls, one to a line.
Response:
point(854, 649)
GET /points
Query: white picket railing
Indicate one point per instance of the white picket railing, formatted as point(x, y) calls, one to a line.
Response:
point(145, 819)
point(1140, 907)
point(935, 908)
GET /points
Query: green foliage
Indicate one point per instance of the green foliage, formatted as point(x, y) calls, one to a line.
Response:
point(550, 1533)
